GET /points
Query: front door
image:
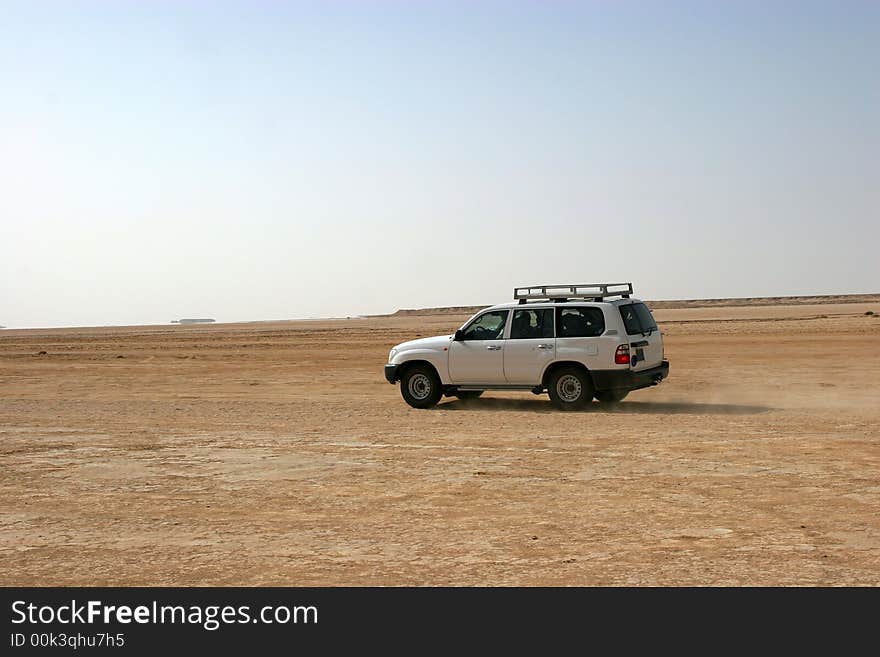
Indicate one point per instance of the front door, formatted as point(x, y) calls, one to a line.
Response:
point(531, 346)
point(479, 356)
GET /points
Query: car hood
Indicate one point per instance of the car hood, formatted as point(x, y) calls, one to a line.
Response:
point(436, 342)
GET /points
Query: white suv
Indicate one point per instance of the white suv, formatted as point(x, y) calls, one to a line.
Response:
point(574, 341)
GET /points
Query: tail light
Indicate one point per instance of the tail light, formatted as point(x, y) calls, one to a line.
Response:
point(621, 356)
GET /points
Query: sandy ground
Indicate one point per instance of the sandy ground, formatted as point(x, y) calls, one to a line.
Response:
point(277, 454)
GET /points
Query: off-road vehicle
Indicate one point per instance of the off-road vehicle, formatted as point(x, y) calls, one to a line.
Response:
point(575, 342)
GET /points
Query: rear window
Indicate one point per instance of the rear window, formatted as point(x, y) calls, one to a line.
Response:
point(637, 318)
point(579, 322)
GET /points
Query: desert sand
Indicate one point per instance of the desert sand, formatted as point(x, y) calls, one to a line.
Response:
point(276, 454)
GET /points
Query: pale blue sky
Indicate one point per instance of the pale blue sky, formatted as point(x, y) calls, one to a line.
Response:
point(267, 160)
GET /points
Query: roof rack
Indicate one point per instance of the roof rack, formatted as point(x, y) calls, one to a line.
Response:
point(560, 293)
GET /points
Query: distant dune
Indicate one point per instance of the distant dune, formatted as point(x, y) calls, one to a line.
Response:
point(679, 303)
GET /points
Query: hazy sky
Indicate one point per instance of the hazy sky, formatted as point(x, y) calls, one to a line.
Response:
point(265, 160)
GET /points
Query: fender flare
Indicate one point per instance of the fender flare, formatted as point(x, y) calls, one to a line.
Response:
point(548, 371)
point(427, 356)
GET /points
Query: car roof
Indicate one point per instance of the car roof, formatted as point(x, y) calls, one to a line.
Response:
point(551, 304)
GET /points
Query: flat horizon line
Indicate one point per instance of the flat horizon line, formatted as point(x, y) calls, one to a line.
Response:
point(801, 299)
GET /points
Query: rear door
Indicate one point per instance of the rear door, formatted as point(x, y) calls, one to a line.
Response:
point(531, 346)
point(645, 341)
point(577, 334)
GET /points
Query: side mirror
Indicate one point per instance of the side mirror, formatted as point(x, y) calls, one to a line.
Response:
point(459, 335)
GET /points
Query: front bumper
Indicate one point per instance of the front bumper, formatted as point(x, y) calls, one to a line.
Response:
point(391, 373)
point(629, 379)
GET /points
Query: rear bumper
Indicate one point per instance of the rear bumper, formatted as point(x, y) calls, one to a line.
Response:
point(628, 379)
point(391, 373)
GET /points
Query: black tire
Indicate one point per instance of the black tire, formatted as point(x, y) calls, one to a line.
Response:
point(570, 388)
point(420, 386)
point(611, 396)
point(464, 395)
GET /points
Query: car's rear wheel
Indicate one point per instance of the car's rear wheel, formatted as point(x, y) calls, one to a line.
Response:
point(420, 386)
point(611, 396)
point(570, 388)
point(468, 394)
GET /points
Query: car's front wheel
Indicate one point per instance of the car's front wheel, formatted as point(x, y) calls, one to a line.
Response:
point(570, 388)
point(420, 386)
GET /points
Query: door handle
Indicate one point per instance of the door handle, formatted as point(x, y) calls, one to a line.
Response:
point(493, 347)
point(545, 346)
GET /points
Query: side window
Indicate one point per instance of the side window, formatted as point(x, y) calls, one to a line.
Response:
point(579, 322)
point(488, 326)
point(532, 323)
